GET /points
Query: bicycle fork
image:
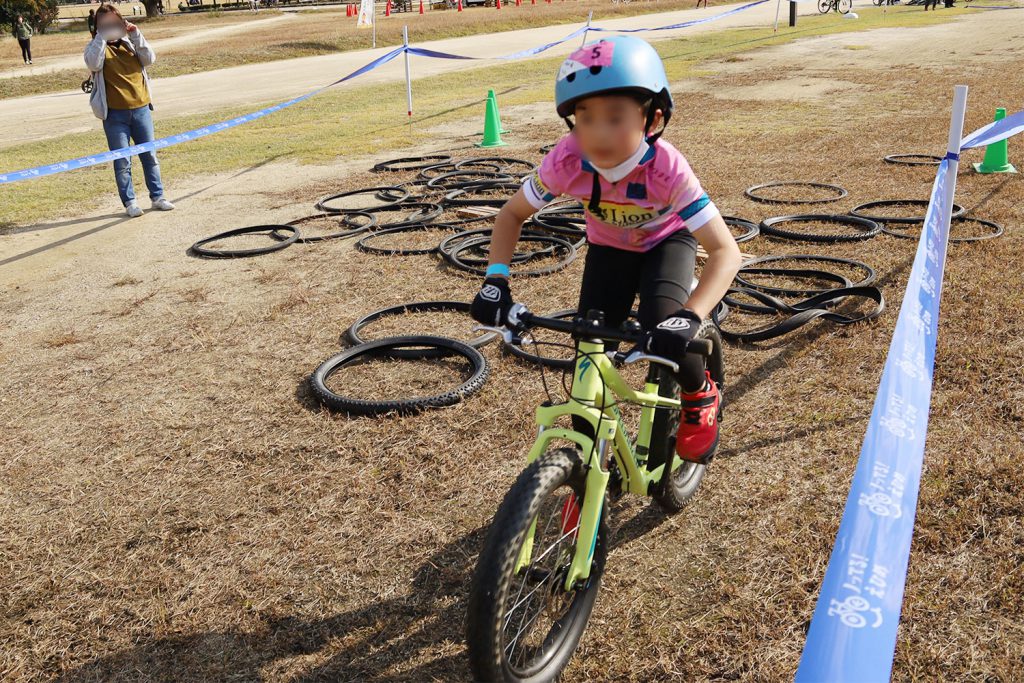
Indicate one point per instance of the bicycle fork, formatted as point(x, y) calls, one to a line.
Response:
point(595, 487)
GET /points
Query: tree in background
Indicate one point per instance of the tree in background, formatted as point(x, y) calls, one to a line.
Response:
point(38, 13)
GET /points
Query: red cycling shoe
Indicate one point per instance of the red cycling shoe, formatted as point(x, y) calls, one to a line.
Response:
point(697, 437)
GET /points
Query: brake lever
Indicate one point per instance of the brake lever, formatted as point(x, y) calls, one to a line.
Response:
point(503, 332)
point(636, 356)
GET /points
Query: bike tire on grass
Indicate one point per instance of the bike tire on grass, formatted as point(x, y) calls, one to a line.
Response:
point(385, 348)
point(539, 486)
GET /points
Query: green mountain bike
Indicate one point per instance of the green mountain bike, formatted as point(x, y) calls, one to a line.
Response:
point(540, 568)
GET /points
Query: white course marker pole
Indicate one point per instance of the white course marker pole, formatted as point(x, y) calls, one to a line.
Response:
point(956, 133)
point(589, 18)
point(373, 23)
point(408, 75)
point(778, 6)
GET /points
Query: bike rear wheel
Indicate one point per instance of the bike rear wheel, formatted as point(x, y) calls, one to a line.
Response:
point(673, 495)
point(824, 6)
point(523, 627)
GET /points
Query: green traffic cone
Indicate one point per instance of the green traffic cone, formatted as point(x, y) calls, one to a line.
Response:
point(492, 127)
point(493, 98)
point(996, 160)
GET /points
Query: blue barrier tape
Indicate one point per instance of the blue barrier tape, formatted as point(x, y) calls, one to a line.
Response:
point(685, 24)
point(108, 156)
point(425, 52)
point(995, 131)
point(853, 633)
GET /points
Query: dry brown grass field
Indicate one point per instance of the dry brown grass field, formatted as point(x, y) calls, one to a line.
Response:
point(176, 506)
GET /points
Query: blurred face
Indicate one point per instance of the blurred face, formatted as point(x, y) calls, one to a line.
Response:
point(609, 128)
point(110, 26)
point(20, 20)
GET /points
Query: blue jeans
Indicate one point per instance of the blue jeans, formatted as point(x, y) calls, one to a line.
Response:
point(137, 124)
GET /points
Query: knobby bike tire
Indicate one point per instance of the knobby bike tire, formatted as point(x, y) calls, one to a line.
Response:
point(322, 203)
point(861, 211)
point(762, 265)
point(386, 348)
point(352, 334)
point(805, 311)
point(494, 578)
point(364, 242)
point(342, 234)
point(995, 228)
point(863, 228)
point(750, 192)
point(411, 163)
point(198, 249)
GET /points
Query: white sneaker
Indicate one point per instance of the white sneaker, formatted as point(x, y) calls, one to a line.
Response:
point(162, 204)
point(133, 210)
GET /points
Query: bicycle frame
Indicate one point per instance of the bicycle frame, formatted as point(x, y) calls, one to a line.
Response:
point(596, 387)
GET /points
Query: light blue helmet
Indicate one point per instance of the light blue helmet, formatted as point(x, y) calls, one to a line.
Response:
point(618, 63)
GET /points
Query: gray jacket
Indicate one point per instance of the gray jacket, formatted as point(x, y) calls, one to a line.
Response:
point(96, 54)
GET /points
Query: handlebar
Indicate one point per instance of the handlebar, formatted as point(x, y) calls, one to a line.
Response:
point(581, 328)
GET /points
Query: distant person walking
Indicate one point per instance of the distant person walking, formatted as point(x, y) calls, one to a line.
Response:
point(118, 57)
point(91, 21)
point(23, 32)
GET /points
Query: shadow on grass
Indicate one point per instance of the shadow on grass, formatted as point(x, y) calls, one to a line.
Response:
point(407, 632)
point(118, 219)
point(376, 637)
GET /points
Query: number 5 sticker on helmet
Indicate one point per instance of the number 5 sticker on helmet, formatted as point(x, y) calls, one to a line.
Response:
point(593, 55)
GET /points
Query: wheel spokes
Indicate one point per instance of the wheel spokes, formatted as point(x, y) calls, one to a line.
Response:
point(540, 601)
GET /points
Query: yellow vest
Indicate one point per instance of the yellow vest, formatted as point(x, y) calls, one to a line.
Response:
point(122, 75)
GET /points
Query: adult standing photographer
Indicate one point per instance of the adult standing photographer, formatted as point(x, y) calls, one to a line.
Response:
point(118, 57)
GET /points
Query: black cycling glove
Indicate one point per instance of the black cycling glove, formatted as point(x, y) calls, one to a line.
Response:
point(491, 304)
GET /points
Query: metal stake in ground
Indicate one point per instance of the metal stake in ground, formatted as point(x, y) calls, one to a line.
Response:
point(408, 76)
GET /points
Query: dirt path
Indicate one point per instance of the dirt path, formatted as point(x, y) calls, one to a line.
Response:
point(39, 117)
point(44, 65)
point(174, 503)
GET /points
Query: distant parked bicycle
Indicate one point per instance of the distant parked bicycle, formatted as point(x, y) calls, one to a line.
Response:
point(841, 6)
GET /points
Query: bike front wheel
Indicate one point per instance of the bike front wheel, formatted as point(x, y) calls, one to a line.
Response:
point(523, 626)
point(845, 6)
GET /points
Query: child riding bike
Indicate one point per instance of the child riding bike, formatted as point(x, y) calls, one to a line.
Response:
point(645, 214)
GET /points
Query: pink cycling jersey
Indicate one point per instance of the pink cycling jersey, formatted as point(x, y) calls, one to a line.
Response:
point(657, 198)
